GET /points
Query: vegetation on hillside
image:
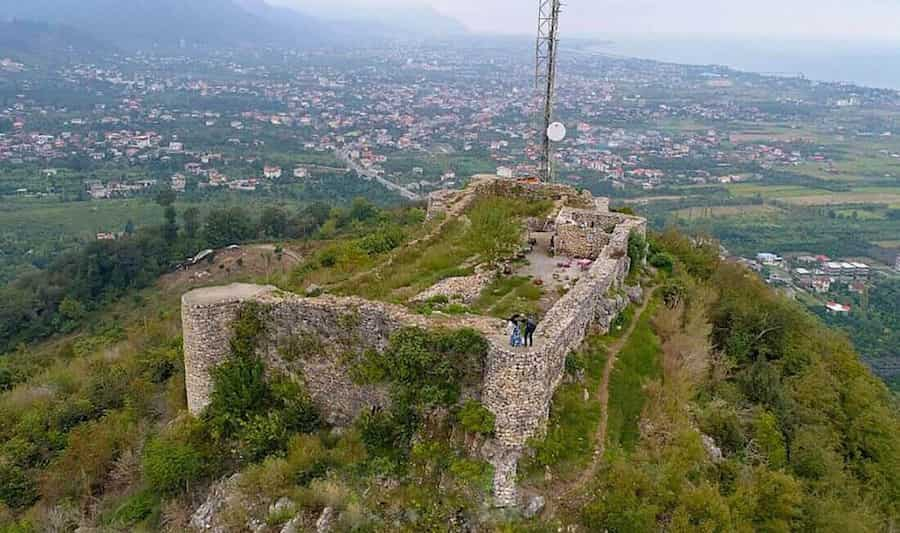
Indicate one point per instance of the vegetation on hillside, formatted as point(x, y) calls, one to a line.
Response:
point(62, 297)
point(730, 409)
point(807, 435)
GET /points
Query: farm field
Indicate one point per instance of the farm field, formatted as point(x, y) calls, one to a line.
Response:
point(691, 213)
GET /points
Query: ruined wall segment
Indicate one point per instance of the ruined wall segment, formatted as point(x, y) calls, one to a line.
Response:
point(206, 318)
point(518, 384)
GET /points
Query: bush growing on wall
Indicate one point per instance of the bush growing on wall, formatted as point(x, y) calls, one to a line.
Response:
point(475, 418)
point(424, 369)
point(260, 413)
point(637, 249)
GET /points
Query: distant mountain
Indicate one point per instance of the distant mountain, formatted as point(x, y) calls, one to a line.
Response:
point(38, 41)
point(168, 23)
point(386, 22)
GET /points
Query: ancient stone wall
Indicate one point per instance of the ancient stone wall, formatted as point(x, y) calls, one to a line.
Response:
point(584, 233)
point(518, 385)
point(309, 338)
point(206, 317)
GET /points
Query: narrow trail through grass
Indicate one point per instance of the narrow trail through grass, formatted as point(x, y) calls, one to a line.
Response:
point(566, 496)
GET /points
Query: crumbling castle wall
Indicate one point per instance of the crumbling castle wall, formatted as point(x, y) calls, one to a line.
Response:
point(309, 338)
point(584, 233)
point(517, 385)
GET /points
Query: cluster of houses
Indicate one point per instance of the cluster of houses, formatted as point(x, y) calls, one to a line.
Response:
point(818, 274)
point(323, 110)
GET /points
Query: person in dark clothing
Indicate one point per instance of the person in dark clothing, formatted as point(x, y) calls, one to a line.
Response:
point(530, 326)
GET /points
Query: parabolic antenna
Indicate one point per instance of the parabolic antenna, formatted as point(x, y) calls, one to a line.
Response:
point(556, 132)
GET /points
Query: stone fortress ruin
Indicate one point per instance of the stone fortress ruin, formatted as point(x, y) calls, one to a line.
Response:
point(517, 384)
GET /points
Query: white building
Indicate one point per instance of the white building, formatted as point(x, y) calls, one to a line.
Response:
point(837, 309)
point(769, 259)
point(272, 173)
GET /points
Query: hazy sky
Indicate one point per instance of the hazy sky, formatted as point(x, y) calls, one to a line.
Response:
point(876, 19)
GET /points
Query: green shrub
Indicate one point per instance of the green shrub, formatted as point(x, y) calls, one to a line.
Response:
point(495, 231)
point(262, 435)
point(432, 367)
point(239, 390)
point(302, 346)
point(477, 474)
point(386, 437)
point(298, 412)
point(18, 489)
point(769, 440)
point(175, 459)
point(637, 249)
point(723, 425)
point(475, 418)
point(382, 241)
point(160, 363)
point(662, 261)
point(134, 509)
point(246, 330)
point(93, 447)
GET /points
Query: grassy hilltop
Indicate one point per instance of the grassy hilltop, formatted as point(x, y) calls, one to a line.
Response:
point(716, 405)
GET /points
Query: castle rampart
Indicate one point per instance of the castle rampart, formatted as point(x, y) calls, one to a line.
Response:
point(517, 385)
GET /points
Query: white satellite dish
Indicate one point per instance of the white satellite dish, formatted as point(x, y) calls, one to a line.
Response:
point(556, 132)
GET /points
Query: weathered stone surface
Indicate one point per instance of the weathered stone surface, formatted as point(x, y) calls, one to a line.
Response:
point(713, 451)
point(326, 521)
point(205, 518)
point(534, 506)
point(293, 525)
point(284, 504)
point(635, 294)
point(464, 289)
point(517, 385)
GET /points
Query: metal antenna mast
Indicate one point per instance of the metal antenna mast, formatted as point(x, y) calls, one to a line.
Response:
point(545, 77)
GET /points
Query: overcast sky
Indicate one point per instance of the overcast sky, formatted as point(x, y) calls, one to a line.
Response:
point(878, 19)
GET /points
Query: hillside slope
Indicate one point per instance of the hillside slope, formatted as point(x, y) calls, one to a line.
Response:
point(166, 23)
point(34, 41)
point(728, 409)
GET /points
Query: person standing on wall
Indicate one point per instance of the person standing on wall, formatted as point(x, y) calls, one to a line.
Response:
point(512, 329)
point(530, 326)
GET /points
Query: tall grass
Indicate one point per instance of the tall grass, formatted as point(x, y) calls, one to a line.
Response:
point(637, 363)
point(567, 446)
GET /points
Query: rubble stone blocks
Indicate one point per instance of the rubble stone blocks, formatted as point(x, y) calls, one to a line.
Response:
point(517, 385)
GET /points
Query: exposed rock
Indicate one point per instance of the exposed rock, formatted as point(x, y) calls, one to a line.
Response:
point(284, 504)
point(325, 521)
point(205, 517)
point(464, 289)
point(635, 294)
point(534, 506)
point(713, 451)
point(313, 290)
point(293, 525)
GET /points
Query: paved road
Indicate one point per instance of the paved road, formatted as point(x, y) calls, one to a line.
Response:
point(370, 174)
